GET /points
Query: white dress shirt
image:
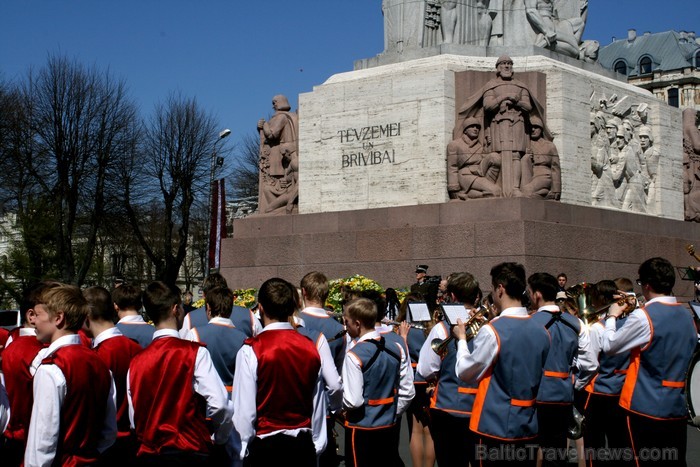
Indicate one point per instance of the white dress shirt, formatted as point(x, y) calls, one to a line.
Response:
point(132, 319)
point(245, 390)
point(207, 383)
point(49, 394)
point(428, 361)
point(636, 332)
point(193, 336)
point(353, 378)
point(4, 408)
point(472, 366)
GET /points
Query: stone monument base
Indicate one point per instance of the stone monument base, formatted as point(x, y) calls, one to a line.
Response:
point(588, 244)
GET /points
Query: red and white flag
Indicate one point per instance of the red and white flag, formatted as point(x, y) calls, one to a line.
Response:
point(217, 229)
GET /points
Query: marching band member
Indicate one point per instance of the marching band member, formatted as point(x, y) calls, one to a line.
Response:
point(373, 393)
point(507, 361)
point(452, 399)
point(570, 348)
point(18, 373)
point(661, 337)
point(73, 417)
point(116, 352)
point(417, 416)
point(606, 423)
point(166, 385)
point(278, 398)
point(127, 303)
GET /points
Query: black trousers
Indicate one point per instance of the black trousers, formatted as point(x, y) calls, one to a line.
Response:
point(174, 458)
point(372, 447)
point(553, 422)
point(455, 444)
point(605, 433)
point(281, 449)
point(11, 452)
point(658, 442)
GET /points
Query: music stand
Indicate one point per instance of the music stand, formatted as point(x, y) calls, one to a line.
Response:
point(688, 274)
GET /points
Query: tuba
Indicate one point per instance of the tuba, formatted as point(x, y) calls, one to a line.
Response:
point(580, 298)
point(472, 326)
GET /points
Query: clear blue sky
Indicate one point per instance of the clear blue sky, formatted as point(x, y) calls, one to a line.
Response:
point(232, 55)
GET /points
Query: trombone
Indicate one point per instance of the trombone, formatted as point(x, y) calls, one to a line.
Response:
point(472, 326)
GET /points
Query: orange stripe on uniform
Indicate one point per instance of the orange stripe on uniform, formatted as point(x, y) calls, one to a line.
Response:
point(467, 390)
point(630, 379)
point(556, 374)
point(673, 384)
point(388, 400)
point(522, 403)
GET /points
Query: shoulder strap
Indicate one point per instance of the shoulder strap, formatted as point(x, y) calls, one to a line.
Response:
point(381, 347)
point(556, 316)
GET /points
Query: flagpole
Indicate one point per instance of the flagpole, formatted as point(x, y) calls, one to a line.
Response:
point(212, 167)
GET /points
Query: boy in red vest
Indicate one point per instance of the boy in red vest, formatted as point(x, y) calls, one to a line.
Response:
point(279, 408)
point(73, 417)
point(22, 348)
point(116, 351)
point(176, 398)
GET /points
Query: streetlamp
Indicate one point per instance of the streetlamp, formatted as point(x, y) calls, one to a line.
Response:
point(215, 161)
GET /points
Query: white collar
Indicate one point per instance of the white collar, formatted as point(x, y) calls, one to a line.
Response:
point(218, 320)
point(132, 319)
point(277, 327)
point(104, 335)
point(167, 332)
point(515, 311)
point(27, 332)
point(70, 339)
point(317, 312)
point(664, 299)
point(368, 336)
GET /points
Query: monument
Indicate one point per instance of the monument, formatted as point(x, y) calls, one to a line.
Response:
point(483, 132)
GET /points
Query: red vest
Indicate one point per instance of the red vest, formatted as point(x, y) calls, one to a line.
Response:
point(84, 408)
point(288, 368)
point(16, 360)
point(116, 353)
point(168, 414)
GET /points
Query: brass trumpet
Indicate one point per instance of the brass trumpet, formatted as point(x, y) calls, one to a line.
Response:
point(473, 325)
point(580, 298)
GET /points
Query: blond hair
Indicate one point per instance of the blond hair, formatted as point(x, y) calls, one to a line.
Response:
point(68, 300)
point(363, 310)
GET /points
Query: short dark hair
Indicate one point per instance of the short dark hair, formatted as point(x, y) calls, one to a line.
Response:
point(605, 291)
point(127, 297)
point(561, 274)
point(101, 304)
point(220, 301)
point(213, 280)
point(32, 296)
point(315, 284)
point(544, 283)
point(512, 277)
point(624, 284)
point(378, 300)
point(658, 274)
point(277, 299)
point(464, 286)
point(159, 299)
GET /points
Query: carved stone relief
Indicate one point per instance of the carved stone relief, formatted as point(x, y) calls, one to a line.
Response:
point(556, 25)
point(691, 165)
point(502, 147)
point(624, 158)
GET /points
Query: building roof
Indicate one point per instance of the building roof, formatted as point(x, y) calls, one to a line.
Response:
point(670, 50)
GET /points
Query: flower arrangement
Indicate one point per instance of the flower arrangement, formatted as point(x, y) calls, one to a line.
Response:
point(245, 297)
point(356, 282)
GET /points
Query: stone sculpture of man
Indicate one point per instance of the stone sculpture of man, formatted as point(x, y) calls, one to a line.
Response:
point(278, 159)
point(602, 189)
point(691, 165)
point(470, 172)
point(651, 162)
point(541, 169)
point(506, 104)
point(562, 35)
point(448, 20)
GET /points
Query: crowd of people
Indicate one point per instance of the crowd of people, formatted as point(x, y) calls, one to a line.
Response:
point(88, 381)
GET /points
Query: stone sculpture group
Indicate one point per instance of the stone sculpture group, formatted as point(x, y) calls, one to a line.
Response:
point(557, 25)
